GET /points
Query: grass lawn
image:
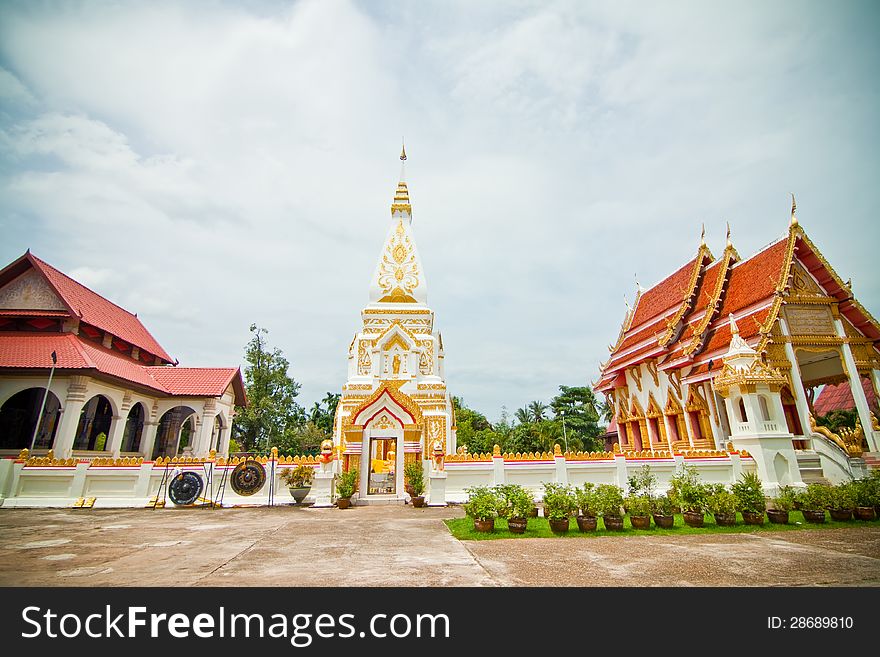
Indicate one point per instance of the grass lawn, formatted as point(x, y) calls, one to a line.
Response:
point(463, 528)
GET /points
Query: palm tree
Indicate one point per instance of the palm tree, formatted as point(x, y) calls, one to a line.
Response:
point(522, 416)
point(537, 410)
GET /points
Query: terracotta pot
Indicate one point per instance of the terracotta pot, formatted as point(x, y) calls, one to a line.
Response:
point(664, 522)
point(418, 501)
point(693, 518)
point(753, 518)
point(866, 513)
point(725, 519)
point(485, 525)
point(517, 525)
point(613, 523)
point(559, 526)
point(299, 493)
point(534, 513)
point(640, 522)
point(841, 514)
point(587, 523)
point(343, 502)
point(813, 516)
point(778, 516)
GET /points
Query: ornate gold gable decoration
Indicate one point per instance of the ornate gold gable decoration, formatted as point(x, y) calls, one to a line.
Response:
point(399, 271)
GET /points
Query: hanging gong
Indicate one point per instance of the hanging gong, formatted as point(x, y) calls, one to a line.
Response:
point(248, 478)
point(185, 488)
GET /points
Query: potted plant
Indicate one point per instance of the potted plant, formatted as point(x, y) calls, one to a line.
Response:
point(298, 481)
point(483, 506)
point(868, 496)
point(560, 504)
point(782, 505)
point(588, 503)
point(609, 502)
point(690, 494)
point(639, 509)
point(750, 501)
point(813, 502)
point(722, 505)
point(414, 473)
point(516, 504)
point(663, 511)
point(841, 502)
point(346, 485)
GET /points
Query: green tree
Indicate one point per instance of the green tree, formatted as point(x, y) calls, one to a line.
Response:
point(581, 410)
point(537, 411)
point(474, 431)
point(272, 415)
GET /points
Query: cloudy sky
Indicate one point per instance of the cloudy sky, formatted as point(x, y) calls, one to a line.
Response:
point(212, 164)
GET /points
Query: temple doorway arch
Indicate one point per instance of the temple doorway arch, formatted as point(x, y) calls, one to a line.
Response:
point(94, 425)
point(18, 418)
point(175, 432)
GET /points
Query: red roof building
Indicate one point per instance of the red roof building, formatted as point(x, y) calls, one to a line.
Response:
point(114, 390)
point(789, 304)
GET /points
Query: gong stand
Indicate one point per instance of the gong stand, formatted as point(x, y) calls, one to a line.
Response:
point(221, 489)
point(209, 481)
point(163, 488)
point(271, 501)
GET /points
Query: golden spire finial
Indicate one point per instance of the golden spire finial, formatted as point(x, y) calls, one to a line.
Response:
point(729, 243)
point(402, 150)
point(734, 329)
point(703, 236)
point(794, 221)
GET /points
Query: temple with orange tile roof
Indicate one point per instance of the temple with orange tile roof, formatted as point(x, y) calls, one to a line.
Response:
point(95, 380)
point(790, 307)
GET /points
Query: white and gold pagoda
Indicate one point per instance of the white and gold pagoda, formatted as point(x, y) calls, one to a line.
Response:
point(394, 406)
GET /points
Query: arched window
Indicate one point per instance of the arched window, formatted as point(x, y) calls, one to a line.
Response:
point(134, 428)
point(94, 424)
point(216, 433)
point(174, 432)
point(741, 406)
point(765, 410)
point(18, 417)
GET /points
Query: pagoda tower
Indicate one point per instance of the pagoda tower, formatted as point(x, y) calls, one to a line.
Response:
point(395, 406)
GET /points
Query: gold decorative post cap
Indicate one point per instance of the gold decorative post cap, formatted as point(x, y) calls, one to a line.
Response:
point(734, 329)
point(794, 221)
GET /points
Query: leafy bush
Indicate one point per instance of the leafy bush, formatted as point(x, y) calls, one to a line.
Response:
point(721, 500)
point(414, 473)
point(643, 482)
point(786, 498)
point(482, 503)
point(346, 485)
point(298, 477)
point(841, 497)
point(516, 501)
point(815, 497)
point(868, 490)
point(749, 494)
point(663, 505)
point(559, 501)
point(637, 505)
point(588, 500)
point(609, 500)
point(687, 491)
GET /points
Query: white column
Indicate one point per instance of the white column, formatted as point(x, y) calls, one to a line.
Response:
point(117, 429)
point(858, 393)
point(714, 415)
point(800, 397)
point(148, 439)
point(73, 405)
point(437, 488)
point(200, 444)
point(668, 422)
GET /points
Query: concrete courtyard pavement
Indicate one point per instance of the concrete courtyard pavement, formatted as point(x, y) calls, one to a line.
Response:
point(400, 546)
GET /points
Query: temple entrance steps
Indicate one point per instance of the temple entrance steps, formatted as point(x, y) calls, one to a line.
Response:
point(872, 460)
point(810, 466)
point(379, 500)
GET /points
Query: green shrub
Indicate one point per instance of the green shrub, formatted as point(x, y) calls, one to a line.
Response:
point(588, 500)
point(749, 494)
point(346, 485)
point(637, 505)
point(414, 473)
point(663, 505)
point(868, 490)
point(643, 482)
point(721, 500)
point(609, 500)
point(559, 501)
point(687, 491)
point(815, 497)
point(786, 499)
point(298, 477)
point(516, 501)
point(482, 503)
point(841, 497)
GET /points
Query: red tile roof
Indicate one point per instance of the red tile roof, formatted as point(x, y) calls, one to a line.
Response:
point(839, 397)
point(668, 294)
point(33, 351)
point(94, 309)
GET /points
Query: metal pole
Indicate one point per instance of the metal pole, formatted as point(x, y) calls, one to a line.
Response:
point(564, 436)
point(43, 405)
